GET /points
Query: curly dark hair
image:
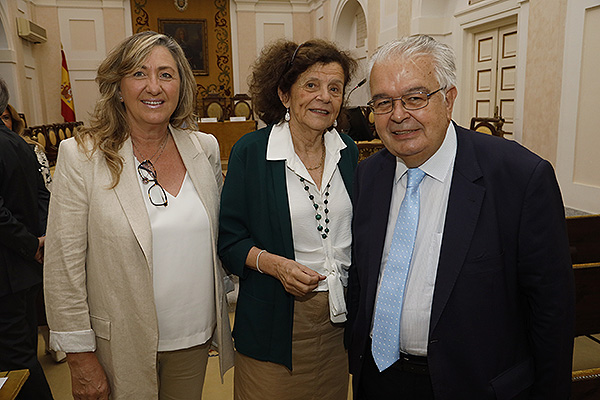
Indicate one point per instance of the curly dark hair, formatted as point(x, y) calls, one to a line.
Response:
point(279, 66)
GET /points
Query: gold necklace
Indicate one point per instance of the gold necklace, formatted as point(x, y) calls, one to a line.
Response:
point(160, 149)
point(322, 159)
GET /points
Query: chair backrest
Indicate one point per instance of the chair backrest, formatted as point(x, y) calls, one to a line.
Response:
point(241, 106)
point(584, 245)
point(489, 125)
point(366, 149)
point(584, 238)
point(50, 136)
point(358, 128)
point(213, 106)
point(587, 298)
point(586, 384)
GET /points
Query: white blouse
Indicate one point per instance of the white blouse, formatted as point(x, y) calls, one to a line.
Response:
point(329, 256)
point(182, 268)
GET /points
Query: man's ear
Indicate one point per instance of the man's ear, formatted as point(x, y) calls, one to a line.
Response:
point(450, 98)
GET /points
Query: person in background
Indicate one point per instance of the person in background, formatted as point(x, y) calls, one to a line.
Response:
point(285, 226)
point(133, 284)
point(461, 285)
point(23, 212)
point(14, 122)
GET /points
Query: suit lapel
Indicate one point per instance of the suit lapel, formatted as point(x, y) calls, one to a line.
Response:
point(131, 200)
point(464, 205)
point(380, 191)
point(199, 170)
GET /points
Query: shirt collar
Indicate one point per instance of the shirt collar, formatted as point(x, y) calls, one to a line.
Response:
point(281, 147)
point(438, 165)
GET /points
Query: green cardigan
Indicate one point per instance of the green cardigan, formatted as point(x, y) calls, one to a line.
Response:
point(255, 212)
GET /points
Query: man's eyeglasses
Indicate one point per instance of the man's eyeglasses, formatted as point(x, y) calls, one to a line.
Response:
point(410, 102)
point(156, 193)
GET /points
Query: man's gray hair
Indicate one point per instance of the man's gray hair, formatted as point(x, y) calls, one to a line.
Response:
point(4, 95)
point(413, 46)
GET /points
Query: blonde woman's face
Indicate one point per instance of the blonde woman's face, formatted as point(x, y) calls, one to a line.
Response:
point(151, 93)
point(7, 119)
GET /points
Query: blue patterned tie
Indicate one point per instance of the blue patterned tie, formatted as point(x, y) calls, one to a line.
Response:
point(386, 326)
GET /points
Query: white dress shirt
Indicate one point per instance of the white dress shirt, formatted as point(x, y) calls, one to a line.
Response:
point(331, 256)
point(182, 264)
point(418, 294)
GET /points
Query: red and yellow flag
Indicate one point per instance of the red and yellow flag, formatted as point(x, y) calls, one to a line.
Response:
point(67, 108)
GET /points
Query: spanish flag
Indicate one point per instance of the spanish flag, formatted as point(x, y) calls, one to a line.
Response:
point(67, 108)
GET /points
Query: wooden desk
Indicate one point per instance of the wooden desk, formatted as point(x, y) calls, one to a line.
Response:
point(584, 238)
point(15, 382)
point(227, 133)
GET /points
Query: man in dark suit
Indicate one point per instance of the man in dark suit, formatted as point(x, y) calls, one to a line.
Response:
point(470, 295)
point(23, 213)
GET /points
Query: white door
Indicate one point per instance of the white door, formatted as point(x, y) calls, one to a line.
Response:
point(495, 66)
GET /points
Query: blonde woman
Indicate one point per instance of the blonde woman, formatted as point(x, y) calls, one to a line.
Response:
point(134, 291)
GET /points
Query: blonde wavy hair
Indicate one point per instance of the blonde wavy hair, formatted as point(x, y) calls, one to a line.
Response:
point(108, 128)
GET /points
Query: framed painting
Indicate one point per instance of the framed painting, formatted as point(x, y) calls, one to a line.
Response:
point(191, 36)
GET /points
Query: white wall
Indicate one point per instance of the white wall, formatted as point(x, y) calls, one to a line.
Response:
point(578, 164)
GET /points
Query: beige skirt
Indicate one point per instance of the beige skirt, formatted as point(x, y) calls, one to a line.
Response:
point(319, 360)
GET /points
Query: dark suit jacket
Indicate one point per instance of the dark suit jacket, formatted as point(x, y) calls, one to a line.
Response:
point(23, 213)
point(255, 212)
point(503, 307)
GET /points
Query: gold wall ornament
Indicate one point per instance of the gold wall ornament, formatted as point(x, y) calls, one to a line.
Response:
point(180, 5)
point(141, 21)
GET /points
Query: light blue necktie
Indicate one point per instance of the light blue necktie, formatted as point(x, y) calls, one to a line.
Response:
point(388, 308)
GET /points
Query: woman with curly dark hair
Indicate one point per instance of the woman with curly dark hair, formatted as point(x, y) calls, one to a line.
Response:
point(285, 226)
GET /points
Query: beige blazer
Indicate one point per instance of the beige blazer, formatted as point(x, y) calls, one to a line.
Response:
point(98, 262)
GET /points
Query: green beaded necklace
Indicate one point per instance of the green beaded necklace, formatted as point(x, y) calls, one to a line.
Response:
point(323, 230)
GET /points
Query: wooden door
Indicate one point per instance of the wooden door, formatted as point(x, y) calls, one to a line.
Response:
point(495, 66)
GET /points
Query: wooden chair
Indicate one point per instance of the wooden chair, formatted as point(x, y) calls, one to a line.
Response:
point(213, 106)
point(584, 243)
point(366, 149)
point(49, 137)
point(586, 384)
point(489, 125)
point(584, 238)
point(353, 121)
point(587, 299)
point(241, 106)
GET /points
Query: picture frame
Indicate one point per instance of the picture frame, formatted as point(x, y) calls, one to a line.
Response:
point(192, 37)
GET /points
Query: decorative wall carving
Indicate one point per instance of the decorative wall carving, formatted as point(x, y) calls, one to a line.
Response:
point(145, 15)
point(141, 21)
